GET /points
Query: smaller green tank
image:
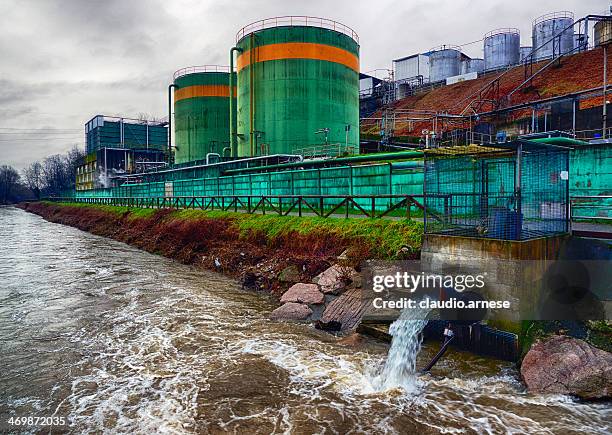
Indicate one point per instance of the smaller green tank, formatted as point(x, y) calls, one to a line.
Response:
point(201, 112)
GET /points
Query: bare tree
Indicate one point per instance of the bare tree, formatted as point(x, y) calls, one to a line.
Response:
point(59, 171)
point(33, 178)
point(9, 181)
point(143, 116)
point(54, 174)
point(73, 159)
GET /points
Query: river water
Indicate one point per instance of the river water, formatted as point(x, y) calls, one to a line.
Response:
point(114, 339)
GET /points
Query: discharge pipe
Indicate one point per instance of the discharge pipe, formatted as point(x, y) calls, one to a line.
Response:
point(170, 120)
point(233, 109)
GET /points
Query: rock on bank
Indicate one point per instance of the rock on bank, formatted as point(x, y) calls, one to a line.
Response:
point(566, 365)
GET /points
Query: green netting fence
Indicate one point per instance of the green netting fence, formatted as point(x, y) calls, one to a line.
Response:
point(380, 179)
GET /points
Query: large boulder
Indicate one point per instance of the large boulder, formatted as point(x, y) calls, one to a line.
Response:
point(291, 312)
point(566, 365)
point(333, 280)
point(303, 293)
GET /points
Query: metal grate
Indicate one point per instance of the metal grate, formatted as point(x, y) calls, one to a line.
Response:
point(510, 193)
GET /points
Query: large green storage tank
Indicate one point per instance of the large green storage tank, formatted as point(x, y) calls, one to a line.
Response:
point(298, 83)
point(201, 112)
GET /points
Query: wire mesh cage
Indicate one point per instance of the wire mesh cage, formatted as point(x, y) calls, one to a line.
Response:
point(515, 192)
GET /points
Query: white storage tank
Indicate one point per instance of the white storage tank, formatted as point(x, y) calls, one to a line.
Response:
point(524, 52)
point(501, 48)
point(472, 65)
point(444, 62)
point(602, 32)
point(557, 25)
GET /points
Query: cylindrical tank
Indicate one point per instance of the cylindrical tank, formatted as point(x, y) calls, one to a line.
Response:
point(602, 32)
point(201, 112)
point(524, 52)
point(298, 85)
point(444, 62)
point(501, 48)
point(555, 24)
point(472, 65)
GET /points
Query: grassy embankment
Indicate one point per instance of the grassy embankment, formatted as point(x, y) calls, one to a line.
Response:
point(240, 244)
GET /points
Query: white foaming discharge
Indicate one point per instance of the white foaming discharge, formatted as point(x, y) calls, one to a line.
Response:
point(400, 368)
point(313, 370)
point(104, 180)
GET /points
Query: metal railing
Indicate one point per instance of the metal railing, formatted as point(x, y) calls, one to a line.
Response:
point(593, 134)
point(326, 150)
point(370, 206)
point(600, 205)
point(296, 20)
point(200, 69)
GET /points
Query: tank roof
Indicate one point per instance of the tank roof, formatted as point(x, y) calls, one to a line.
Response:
point(553, 15)
point(200, 69)
point(445, 47)
point(502, 31)
point(298, 21)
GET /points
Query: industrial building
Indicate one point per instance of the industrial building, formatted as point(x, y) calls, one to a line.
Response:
point(292, 115)
point(119, 146)
point(553, 34)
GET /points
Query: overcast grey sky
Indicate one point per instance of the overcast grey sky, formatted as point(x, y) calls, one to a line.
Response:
point(64, 61)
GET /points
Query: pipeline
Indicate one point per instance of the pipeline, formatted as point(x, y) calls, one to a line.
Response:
point(342, 160)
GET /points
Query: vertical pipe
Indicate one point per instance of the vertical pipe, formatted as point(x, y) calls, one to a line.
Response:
point(568, 213)
point(425, 163)
point(574, 116)
point(105, 169)
point(233, 109)
point(518, 193)
point(251, 94)
point(170, 121)
point(605, 89)
point(121, 133)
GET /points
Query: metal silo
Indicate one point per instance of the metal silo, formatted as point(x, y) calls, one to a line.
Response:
point(558, 25)
point(524, 52)
point(602, 32)
point(201, 112)
point(298, 86)
point(472, 65)
point(501, 48)
point(444, 62)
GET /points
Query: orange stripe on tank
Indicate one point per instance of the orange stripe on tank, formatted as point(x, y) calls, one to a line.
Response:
point(299, 50)
point(202, 91)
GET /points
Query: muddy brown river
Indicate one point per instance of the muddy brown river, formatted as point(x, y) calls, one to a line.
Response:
point(116, 340)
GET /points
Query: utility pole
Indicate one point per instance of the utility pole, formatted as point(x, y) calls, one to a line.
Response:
point(605, 88)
